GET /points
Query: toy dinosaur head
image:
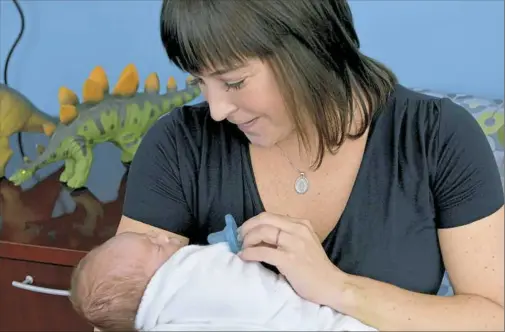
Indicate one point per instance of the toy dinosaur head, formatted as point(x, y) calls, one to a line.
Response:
point(45, 157)
point(22, 174)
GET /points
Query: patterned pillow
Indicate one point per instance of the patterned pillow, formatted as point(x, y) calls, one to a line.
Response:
point(489, 114)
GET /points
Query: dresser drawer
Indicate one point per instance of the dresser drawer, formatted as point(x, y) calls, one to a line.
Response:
point(29, 310)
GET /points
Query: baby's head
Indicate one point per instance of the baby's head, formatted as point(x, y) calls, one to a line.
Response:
point(108, 283)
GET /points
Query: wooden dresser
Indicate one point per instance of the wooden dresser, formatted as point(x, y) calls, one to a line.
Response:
point(38, 251)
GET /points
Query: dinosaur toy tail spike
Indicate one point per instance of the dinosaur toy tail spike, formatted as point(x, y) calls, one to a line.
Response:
point(152, 83)
point(190, 81)
point(99, 76)
point(171, 84)
point(67, 96)
point(128, 82)
point(40, 149)
point(48, 129)
point(40, 160)
point(68, 113)
point(129, 68)
point(92, 91)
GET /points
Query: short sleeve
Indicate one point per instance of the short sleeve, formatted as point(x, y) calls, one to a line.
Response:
point(467, 185)
point(154, 193)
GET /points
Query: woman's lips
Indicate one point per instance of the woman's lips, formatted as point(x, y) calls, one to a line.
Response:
point(246, 126)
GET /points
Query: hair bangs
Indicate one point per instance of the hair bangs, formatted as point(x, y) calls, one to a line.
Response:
point(208, 35)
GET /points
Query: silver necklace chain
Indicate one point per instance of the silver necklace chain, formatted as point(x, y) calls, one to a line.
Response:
point(301, 182)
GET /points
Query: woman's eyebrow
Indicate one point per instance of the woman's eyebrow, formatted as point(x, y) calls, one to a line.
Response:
point(226, 70)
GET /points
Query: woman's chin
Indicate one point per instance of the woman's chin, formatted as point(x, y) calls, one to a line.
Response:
point(258, 141)
point(264, 140)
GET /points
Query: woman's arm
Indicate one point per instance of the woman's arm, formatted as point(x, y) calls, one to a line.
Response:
point(474, 257)
point(468, 203)
point(473, 254)
point(130, 225)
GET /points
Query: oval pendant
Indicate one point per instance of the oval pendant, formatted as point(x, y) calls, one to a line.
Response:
point(301, 184)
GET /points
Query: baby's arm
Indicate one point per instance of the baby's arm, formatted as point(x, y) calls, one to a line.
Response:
point(222, 287)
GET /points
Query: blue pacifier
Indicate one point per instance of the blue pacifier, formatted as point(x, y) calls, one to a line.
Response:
point(229, 234)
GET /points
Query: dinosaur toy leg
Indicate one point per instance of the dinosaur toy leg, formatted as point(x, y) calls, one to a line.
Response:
point(94, 212)
point(128, 150)
point(69, 170)
point(5, 154)
point(81, 171)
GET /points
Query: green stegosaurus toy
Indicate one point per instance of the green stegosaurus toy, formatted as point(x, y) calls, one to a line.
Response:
point(121, 117)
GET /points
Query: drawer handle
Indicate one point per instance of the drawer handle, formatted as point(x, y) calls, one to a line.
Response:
point(27, 284)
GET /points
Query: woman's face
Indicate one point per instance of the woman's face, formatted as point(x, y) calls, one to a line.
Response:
point(249, 97)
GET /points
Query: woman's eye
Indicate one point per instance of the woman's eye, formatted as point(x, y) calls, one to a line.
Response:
point(229, 85)
point(234, 85)
point(196, 81)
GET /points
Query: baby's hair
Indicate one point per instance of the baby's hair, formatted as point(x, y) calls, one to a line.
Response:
point(107, 290)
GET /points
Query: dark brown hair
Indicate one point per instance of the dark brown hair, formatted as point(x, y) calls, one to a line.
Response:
point(312, 47)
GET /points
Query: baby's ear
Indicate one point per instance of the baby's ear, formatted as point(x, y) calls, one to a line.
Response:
point(158, 237)
point(153, 234)
point(174, 240)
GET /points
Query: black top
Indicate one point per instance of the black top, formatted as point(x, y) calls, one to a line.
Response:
point(427, 165)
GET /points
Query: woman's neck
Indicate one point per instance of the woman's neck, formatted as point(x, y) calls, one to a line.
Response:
point(304, 156)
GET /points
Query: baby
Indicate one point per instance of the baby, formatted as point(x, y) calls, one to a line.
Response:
point(148, 282)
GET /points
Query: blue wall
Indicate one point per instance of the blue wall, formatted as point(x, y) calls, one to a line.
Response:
point(454, 46)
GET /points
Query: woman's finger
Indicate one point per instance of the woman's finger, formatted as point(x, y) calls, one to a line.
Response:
point(289, 225)
point(273, 236)
point(264, 254)
point(262, 234)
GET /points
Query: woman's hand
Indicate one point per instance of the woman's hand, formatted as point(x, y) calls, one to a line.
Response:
point(294, 248)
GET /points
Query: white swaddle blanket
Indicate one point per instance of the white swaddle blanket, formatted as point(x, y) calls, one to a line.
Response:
point(204, 288)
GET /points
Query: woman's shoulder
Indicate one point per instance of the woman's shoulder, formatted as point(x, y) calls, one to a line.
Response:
point(190, 139)
point(412, 113)
point(192, 124)
point(189, 120)
point(185, 163)
point(442, 139)
point(408, 104)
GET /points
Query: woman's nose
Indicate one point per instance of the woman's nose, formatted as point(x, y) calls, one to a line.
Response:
point(220, 105)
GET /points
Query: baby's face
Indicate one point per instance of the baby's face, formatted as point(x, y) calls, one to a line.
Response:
point(153, 248)
point(96, 282)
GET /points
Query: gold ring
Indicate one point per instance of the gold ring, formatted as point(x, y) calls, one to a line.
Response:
point(277, 238)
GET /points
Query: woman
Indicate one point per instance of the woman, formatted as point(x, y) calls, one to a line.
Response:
point(358, 190)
